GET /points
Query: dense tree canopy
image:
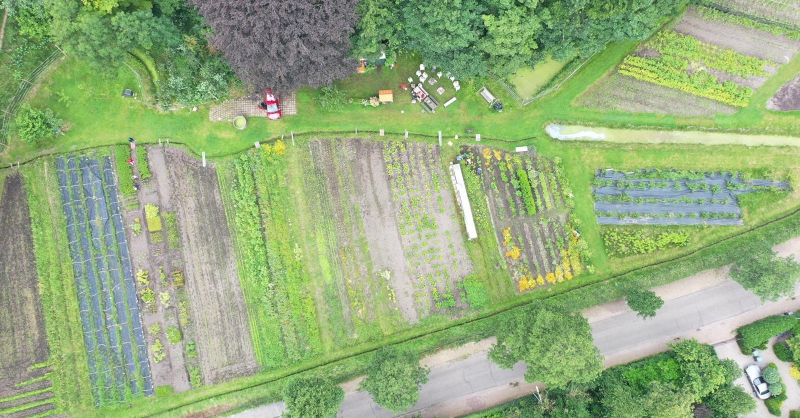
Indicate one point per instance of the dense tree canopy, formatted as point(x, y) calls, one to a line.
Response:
point(394, 378)
point(468, 36)
point(764, 273)
point(556, 345)
point(283, 44)
point(102, 32)
point(645, 302)
point(312, 397)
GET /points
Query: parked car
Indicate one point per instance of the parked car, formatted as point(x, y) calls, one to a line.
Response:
point(271, 105)
point(760, 386)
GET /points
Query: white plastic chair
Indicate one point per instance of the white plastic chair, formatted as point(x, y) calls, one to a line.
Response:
point(422, 67)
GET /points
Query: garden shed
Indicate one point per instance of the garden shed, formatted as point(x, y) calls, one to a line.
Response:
point(385, 96)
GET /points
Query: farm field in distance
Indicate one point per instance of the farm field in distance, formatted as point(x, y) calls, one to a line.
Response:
point(374, 224)
point(705, 63)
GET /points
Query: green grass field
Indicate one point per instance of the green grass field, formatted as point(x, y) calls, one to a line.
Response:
point(528, 81)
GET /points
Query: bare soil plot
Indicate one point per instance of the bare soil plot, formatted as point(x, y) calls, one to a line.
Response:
point(788, 97)
point(786, 11)
point(156, 265)
point(217, 305)
point(617, 92)
point(530, 210)
point(396, 199)
point(24, 342)
point(744, 40)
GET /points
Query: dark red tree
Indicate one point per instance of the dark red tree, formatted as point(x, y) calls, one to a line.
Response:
point(283, 44)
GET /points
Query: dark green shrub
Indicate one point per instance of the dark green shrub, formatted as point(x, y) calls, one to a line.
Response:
point(774, 404)
point(783, 352)
point(477, 294)
point(527, 192)
point(759, 332)
point(331, 99)
point(794, 414)
point(33, 125)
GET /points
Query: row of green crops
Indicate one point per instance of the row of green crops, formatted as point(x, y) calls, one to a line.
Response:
point(58, 293)
point(674, 73)
point(685, 47)
point(682, 64)
point(282, 312)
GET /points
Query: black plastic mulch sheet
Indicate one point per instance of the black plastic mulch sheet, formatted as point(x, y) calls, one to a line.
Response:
point(673, 207)
point(110, 315)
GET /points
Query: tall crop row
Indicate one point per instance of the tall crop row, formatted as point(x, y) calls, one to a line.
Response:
point(689, 49)
point(283, 316)
point(59, 298)
point(673, 73)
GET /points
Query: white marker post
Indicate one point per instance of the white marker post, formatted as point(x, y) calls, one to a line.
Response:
point(440, 138)
point(204, 158)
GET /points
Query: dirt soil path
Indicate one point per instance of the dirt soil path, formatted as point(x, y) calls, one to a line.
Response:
point(151, 256)
point(743, 40)
point(217, 307)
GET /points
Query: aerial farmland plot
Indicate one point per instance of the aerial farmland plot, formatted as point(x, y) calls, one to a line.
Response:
point(667, 197)
point(112, 330)
point(357, 239)
point(705, 63)
point(212, 316)
point(529, 211)
point(25, 385)
point(785, 11)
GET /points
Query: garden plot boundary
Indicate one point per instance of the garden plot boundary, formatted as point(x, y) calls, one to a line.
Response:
point(107, 298)
point(710, 200)
point(714, 255)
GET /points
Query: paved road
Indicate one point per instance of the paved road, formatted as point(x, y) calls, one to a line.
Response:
point(475, 383)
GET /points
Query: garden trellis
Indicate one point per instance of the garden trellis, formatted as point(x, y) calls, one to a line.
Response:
point(112, 326)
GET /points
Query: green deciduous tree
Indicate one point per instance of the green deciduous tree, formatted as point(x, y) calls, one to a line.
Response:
point(764, 273)
point(645, 302)
point(731, 401)
point(659, 400)
point(33, 125)
point(103, 32)
point(511, 30)
point(377, 29)
point(394, 378)
point(556, 345)
point(446, 33)
point(702, 371)
point(312, 397)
